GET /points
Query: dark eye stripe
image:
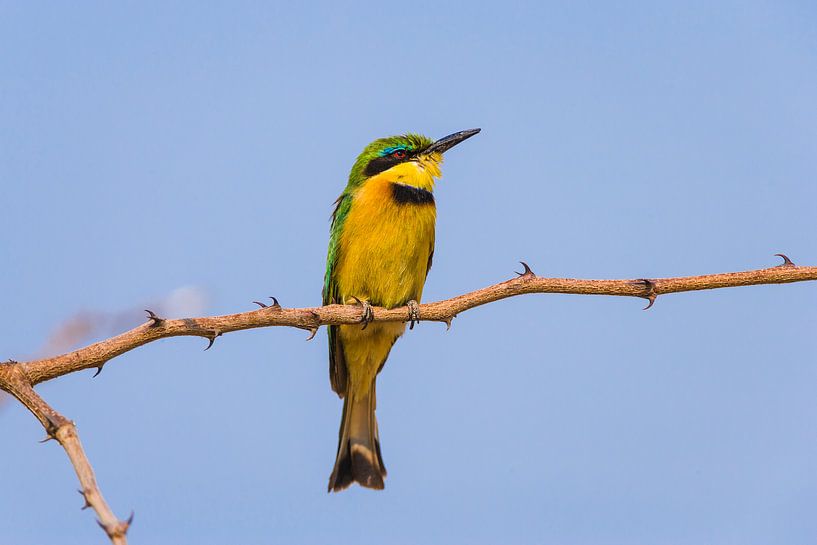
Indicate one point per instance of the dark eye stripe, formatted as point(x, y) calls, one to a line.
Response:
point(380, 164)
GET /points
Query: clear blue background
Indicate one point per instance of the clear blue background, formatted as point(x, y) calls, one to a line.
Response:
point(144, 148)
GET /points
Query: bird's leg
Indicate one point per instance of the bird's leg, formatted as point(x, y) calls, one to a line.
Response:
point(414, 313)
point(368, 313)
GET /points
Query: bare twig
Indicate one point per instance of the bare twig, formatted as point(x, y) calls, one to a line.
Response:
point(96, 355)
point(14, 381)
point(18, 378)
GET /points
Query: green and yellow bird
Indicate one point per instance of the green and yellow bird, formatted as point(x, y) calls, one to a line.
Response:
point(380, 250)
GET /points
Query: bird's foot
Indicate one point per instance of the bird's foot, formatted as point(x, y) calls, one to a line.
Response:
point(413, 313)
point(368, 313)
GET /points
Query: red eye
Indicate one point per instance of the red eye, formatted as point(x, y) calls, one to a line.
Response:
point(399, 154)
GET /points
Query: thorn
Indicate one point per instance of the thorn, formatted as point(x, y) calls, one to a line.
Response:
point(155, 319)
point(786, 261)
point(120, 529)
point(11, 361)
point(651, 295)
point(527, 272)
point(448, 323)
point(98, 370)
point(275, 303)
point(84, 497)
point(52, 428)
point(212, 338)
point(312, 332)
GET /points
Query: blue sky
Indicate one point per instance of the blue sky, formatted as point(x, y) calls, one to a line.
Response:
point(151, 148)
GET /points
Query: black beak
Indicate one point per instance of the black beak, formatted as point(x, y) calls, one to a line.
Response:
point(446, 143)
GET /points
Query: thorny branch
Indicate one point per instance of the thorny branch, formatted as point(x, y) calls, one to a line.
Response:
point(19, 378)
point(14, 381)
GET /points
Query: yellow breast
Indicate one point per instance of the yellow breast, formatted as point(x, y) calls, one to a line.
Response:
point(385, 246)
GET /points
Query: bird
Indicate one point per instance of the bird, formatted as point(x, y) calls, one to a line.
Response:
point(381, 246)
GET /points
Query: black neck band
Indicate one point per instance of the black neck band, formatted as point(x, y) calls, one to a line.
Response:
point(407, 194)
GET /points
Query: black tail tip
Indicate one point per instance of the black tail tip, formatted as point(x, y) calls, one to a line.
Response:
point(358, 464)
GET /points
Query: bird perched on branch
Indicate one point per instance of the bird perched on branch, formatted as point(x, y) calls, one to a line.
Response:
point(380, 250)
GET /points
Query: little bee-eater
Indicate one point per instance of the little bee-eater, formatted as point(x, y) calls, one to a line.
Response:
point(380, 249)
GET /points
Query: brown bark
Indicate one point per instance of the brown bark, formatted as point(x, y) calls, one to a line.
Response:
point(19, 378)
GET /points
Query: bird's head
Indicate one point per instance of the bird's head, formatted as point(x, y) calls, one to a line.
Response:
point(412, 158)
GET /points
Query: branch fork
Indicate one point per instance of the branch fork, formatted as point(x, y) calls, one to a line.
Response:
point(19, 378)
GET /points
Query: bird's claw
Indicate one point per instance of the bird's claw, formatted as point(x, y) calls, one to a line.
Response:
point(368, 313)
point(413, 313)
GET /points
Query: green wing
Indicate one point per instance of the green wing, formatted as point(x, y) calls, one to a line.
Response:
point(337, 363)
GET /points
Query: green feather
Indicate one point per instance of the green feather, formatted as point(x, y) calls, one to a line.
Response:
point(337, 367)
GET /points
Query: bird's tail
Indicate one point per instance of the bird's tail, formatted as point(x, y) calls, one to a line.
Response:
point(359, 457)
